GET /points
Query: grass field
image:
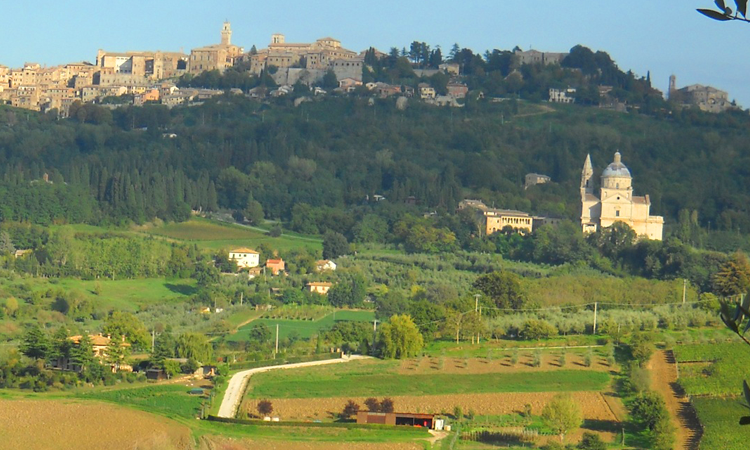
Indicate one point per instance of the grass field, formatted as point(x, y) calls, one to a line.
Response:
point(303, 328)
point(171, 400)
point(720, 420)
point(215, 235)
point(713, 369)
point(378, 378)
point(126, 295)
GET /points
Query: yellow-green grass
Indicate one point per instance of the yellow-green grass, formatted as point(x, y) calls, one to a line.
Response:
point(368, 378)
point(125, 295)
point(215, 235)
point(720, 420)
point(303, 328)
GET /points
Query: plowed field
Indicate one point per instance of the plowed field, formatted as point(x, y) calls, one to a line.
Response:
point(593, 404)
point(63, 425)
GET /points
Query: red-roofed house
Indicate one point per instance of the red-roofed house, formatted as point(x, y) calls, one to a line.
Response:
point(275, 265)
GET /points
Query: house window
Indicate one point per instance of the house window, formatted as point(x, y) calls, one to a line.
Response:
point(617, 213)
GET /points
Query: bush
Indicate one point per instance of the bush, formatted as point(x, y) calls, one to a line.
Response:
point(641, 348)
point(534, 329)
point(372, 404)
point(265, 408)
point(350, 409)
point(649, 408)
point(386, 405)
point(591, 441)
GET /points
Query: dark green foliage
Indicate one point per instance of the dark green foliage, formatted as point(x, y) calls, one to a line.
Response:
point(335, 245)
point(501, 290)
point(35, 343)
point(649, 408)
point(591, 441)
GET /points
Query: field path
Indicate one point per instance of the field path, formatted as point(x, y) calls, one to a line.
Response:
point(664, 380)
point(238, 383)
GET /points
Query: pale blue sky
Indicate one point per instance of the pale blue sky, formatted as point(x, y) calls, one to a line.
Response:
point(663, 36)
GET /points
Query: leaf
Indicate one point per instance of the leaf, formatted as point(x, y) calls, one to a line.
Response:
point(716, 15)
point(747, 327)
point(746, 391)
point(737, 314)
point(720, 4)
point(741, 7)
point(730, 324)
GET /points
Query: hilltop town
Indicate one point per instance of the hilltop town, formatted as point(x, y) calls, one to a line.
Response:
point(140, 77)
point(303, 246)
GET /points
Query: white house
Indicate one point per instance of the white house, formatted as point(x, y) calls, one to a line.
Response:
point(245, 257)
point(325, 264)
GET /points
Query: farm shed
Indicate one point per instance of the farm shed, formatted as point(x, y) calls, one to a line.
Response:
point(409, 419)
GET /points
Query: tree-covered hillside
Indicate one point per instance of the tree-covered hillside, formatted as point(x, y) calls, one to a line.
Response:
point(333, 153)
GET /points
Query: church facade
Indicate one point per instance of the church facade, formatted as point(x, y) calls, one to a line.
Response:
point(616, 202)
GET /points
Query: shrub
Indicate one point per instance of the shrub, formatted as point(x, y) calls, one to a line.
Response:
point(372, 404)
point(386, 405)
point(641, 347)
point(534, 329)
point(537, 358)
point(649, 408)
point(265, 408)
point(458, 413)
point(350, 409)
point(591, 441)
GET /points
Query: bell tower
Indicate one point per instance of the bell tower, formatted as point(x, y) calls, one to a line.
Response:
point(587, 176)
point(226, 34)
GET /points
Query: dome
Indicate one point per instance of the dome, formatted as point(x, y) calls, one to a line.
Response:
point(616, 169)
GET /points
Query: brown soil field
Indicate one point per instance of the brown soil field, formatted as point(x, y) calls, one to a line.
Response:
point(67, 424)
point(219, 443)
point(594, 405)
point(501, 363)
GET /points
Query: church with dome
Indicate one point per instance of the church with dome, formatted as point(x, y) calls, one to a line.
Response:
point(616, 202)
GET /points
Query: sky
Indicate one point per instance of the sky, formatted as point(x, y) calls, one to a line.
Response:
point(663, 37)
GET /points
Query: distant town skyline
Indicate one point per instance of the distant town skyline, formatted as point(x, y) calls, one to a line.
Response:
point(660, 38)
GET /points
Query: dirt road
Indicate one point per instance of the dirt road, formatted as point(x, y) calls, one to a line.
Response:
point(664, 381)
point(238, 382)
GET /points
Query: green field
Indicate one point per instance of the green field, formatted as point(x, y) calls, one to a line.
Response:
point(171, 400)
point(369, 378)
point(720, 420)
point(215, 235)
point(713, 369)
point(303, 328)
point(126, 295)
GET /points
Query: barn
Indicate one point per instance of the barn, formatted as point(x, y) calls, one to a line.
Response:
point(409, 419)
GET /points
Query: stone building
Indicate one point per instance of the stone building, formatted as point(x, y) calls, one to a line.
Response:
point(216, 57)
point(706, 98)
point(306, 62)
point(616, 202)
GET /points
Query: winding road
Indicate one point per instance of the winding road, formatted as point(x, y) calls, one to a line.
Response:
point(238, 383)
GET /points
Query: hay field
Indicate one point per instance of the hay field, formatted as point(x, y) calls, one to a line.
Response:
point(71, 425)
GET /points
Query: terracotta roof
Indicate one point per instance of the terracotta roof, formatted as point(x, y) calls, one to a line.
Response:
point(96, 339)
point(274, 261)
point(243, 250)
point(320, 283)
point(640, 200)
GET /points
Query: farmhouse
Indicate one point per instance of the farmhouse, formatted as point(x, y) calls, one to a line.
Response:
point(408, 419)
point(275, 265)
point(325, 264)
point(99, 345)
point(319, 287)
point(245, 257)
